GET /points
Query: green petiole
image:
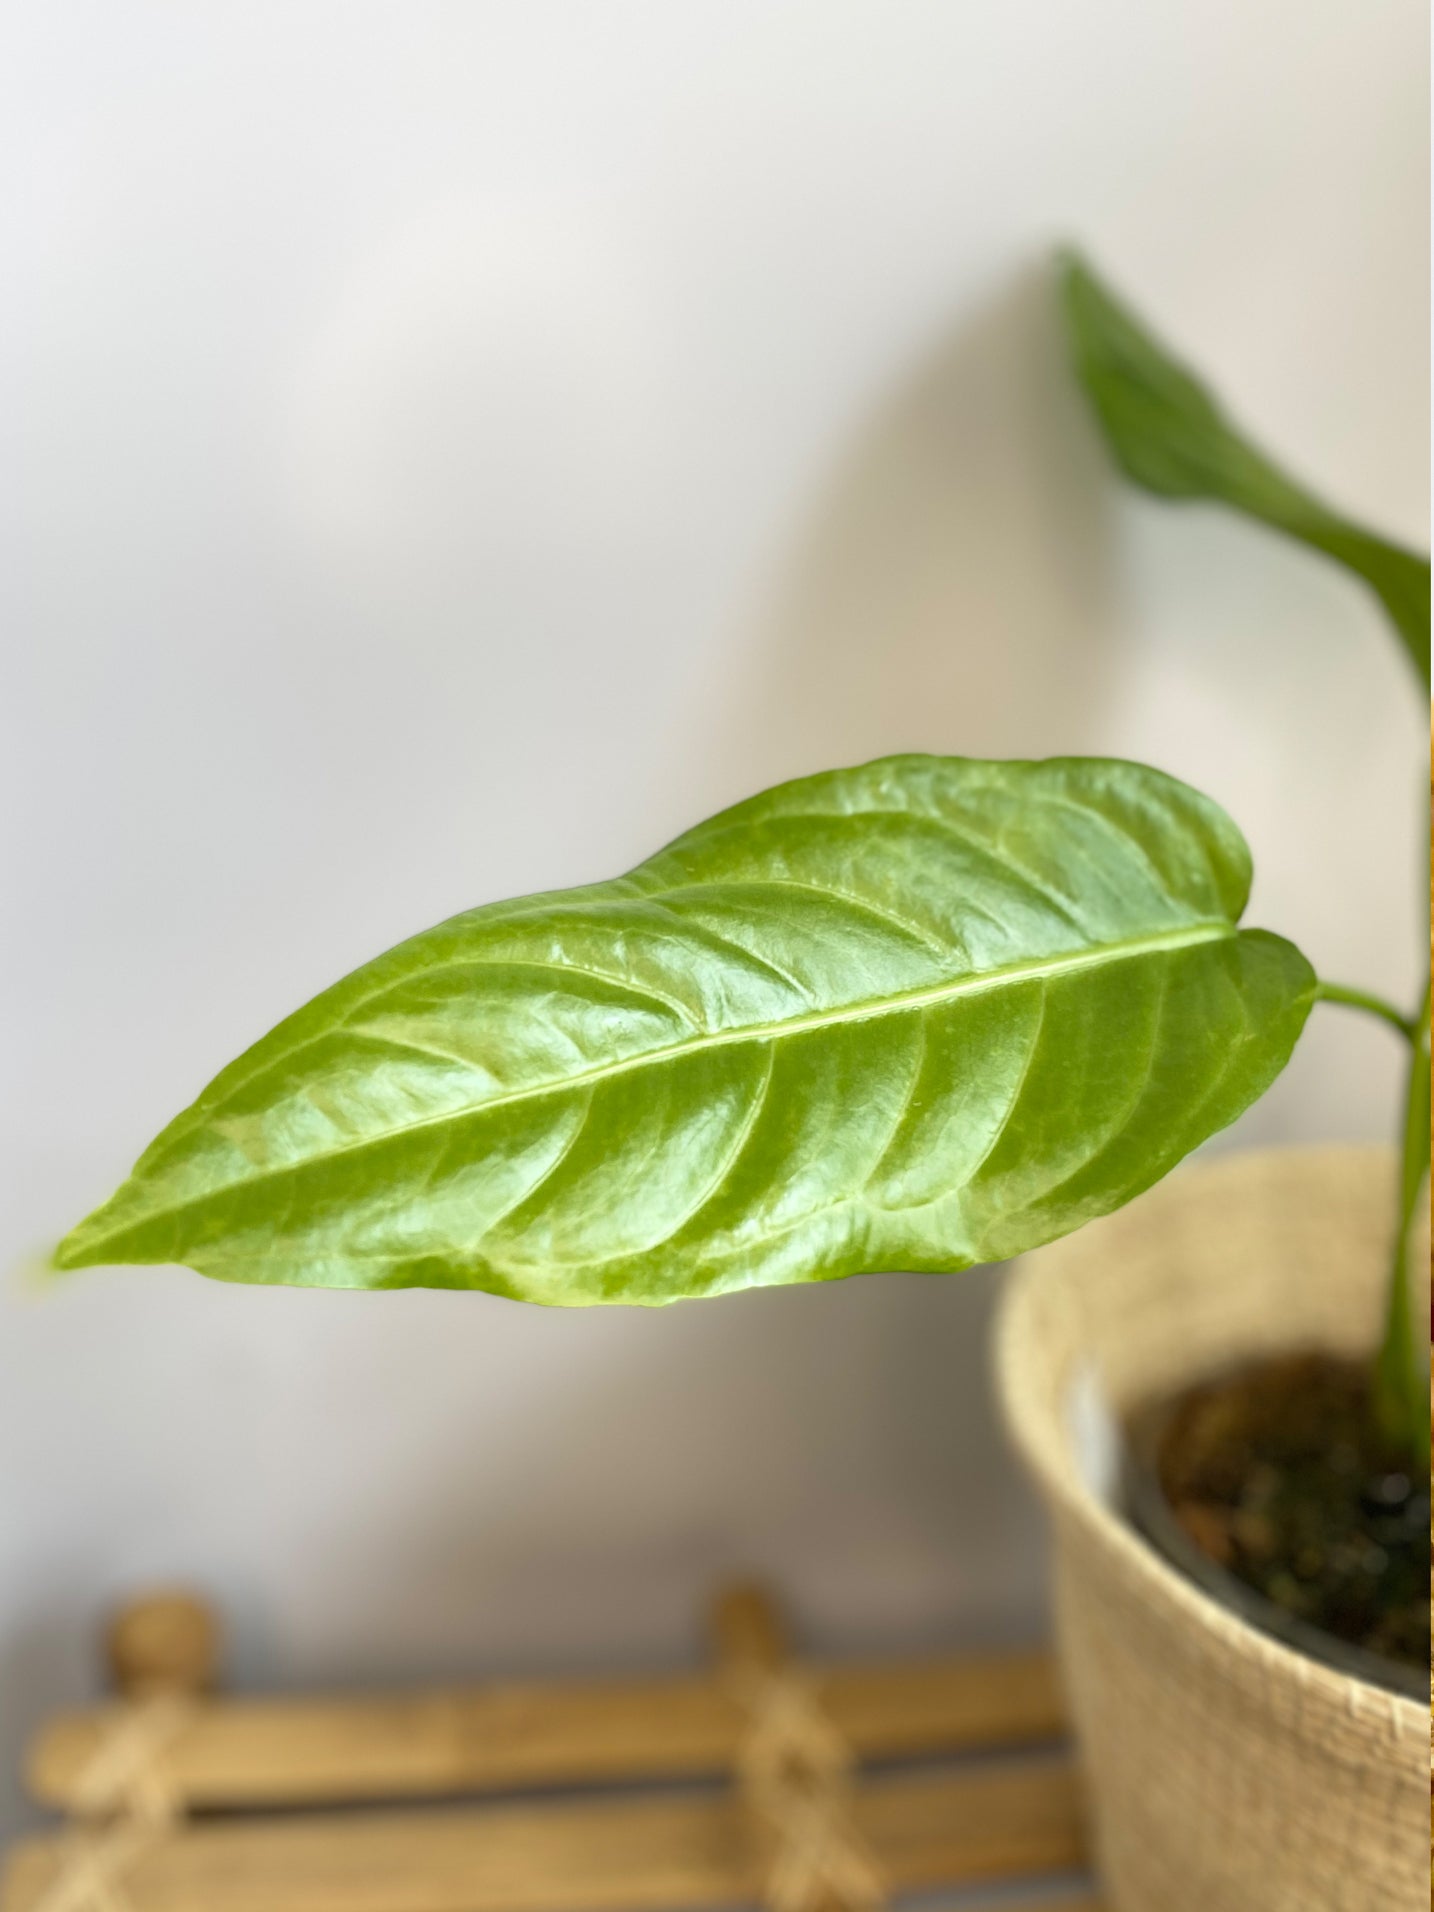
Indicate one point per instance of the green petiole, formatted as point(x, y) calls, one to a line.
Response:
point(1401, 1396)
point(1351, 998)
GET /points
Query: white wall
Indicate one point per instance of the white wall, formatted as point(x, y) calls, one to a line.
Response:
point(449, 448)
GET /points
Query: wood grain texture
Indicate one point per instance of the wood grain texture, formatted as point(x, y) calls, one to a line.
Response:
point(661, 1854)
point(268, 1752)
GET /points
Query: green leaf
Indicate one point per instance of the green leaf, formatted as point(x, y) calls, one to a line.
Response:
point(1169, 436)
point(916, 1015)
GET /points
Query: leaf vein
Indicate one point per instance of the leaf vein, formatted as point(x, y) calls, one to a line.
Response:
point(1042, 968)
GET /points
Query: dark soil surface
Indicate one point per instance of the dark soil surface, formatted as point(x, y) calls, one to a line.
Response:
point(1280, 1475)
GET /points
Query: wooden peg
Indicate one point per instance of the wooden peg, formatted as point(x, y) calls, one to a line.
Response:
point(167, 1642)
point(748, 1632)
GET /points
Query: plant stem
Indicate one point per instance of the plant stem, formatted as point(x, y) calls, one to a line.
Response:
point(1352, 998)
point(1401, 1391)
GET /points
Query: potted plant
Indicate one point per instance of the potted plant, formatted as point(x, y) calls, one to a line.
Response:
point(918, 1014)
point(1252, 1689)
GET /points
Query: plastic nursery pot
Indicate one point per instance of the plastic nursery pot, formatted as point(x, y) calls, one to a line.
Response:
point(1226, 1770)
point(1145, 1502)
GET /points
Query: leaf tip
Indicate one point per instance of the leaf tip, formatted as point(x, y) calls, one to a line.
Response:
point(35, 1272)
point(64, 1258)
point(77, 1249)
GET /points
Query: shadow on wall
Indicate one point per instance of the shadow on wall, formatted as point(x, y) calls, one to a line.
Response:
point(953, 589)
point(838, 1440)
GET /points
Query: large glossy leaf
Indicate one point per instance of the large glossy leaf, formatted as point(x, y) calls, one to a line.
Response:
point(1170, 436)
point(916, 1015)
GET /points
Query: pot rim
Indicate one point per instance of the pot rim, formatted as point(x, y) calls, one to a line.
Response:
point(1033, 1391)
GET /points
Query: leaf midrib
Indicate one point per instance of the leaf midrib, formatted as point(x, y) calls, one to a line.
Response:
point(868, 1009)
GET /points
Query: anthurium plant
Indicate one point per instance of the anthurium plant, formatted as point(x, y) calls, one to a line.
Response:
point(919, 1014)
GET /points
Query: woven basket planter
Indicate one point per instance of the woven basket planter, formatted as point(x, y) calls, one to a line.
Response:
point(1227, 1773)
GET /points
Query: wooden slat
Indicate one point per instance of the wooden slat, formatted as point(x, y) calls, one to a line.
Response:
point(1056, 1898)
point(310, 1751)
point(1060, 1902)
point(665, 1854)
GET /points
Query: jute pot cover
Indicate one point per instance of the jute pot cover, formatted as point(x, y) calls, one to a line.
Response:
point(1226, 1772)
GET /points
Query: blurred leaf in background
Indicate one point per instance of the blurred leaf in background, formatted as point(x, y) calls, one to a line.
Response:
point(1169, 435)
